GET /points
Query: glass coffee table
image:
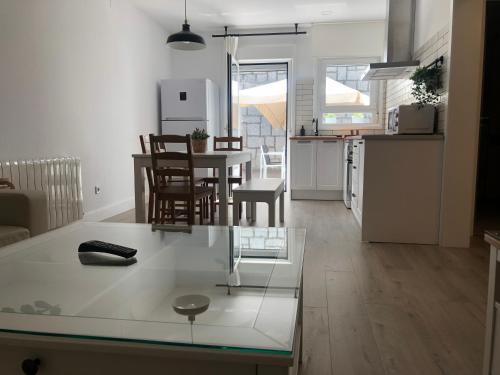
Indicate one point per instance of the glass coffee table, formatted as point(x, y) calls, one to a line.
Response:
point(209, 300)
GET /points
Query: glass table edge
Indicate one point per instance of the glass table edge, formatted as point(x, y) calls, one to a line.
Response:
point(270, 352)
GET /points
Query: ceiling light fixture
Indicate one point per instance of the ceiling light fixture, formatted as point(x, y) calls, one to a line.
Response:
point(186, 40)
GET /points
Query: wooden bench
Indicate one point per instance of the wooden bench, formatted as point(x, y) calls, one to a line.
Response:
point(260, 190)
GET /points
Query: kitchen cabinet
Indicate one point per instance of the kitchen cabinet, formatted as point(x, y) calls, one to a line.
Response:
point(316, 169)
point(303, 161)
point(398, 188)
point(329, 172)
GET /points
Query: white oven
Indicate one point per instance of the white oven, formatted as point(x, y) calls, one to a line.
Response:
point(411, 119)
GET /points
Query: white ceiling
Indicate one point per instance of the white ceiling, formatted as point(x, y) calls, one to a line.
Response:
point(210, 14)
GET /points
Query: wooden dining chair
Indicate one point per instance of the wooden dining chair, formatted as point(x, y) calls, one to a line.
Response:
point(145, 147)
point(227, 144)
point(173, 179)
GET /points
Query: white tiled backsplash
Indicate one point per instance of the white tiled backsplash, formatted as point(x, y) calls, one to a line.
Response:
point(397, 91)
point(304, 106)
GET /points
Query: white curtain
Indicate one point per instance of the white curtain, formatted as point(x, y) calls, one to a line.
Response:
point(231, 45)
point(231, 48)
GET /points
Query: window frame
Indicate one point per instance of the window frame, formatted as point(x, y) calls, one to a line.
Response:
point(376, 95)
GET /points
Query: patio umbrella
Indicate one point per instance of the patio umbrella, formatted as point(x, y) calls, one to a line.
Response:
point(269, 99)
point(340, 94)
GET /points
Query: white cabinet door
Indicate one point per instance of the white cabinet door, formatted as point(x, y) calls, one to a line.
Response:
point(357, 179)
point(361, 174)
point(303, 165)
point(329, 165)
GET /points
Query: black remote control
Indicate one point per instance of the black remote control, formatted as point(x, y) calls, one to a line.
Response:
point(106, 248)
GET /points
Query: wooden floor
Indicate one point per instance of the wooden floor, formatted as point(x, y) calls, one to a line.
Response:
point(385, 308)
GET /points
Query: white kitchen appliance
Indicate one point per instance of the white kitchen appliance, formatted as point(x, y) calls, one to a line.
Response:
point(411, 119)
point(187, 104)
point(348, 153)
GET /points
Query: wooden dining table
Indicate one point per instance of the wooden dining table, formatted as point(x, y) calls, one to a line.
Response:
point(220, 160)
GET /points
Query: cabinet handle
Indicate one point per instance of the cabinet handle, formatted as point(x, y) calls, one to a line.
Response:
point(355, 146)
point(354, 195)
point(303, 141)
point(354, 167)
point(330, 141)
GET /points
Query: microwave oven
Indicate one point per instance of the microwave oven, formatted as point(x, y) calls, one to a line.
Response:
point(411, 119)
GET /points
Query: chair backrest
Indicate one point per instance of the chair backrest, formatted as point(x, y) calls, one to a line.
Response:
point(146, 144)
point(177, 167)
point(147, 150)
point(228, 143)
point(265, 153)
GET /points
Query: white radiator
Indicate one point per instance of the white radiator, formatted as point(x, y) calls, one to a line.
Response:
point(60, 178)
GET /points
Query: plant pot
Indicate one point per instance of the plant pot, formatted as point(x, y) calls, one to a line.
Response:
point(199, 146)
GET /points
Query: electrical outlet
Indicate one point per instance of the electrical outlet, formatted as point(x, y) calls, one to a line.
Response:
point(97, 190)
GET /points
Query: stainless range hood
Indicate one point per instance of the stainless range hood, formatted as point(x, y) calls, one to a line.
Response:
point(400, 32)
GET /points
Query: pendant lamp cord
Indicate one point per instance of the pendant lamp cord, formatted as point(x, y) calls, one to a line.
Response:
point(185, 11)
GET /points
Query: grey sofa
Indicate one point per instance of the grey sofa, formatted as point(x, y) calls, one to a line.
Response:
point(23, 214)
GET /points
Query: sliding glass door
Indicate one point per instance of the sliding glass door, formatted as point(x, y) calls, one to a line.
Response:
point(259, 113)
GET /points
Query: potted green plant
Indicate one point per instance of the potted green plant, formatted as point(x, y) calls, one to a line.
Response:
point(426, 84)
point(199, 138)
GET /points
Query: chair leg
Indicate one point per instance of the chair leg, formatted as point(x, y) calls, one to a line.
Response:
point(192, 212)
point(171, 206)
point(202, 211)
point(157, 210)
point(151, 207)
point(212, 208)
point(163, 212)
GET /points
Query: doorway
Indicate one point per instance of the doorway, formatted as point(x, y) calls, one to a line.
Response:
point(488, 168)
point(262, 115)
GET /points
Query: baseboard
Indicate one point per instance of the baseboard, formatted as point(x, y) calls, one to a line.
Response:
point(320, 195)
point(110, 210)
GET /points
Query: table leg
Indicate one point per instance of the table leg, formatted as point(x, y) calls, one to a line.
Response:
point(248, 177)
point(272, 213)
point(140, 200)
point(253, 211)
point(223, 194)
point(236, 212)
point(282, 206)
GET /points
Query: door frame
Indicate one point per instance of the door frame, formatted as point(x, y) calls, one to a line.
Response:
point(290, 102)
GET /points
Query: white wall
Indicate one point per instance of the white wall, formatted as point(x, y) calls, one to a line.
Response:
point(80, 78)
point(463, 122)
point(430, 17)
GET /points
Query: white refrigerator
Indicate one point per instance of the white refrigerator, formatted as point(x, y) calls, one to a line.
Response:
point(187, 104)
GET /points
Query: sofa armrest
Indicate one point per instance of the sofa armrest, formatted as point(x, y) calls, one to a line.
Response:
point(28, 209)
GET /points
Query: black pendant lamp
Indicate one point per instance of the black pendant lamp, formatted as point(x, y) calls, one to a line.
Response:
point(185, 39)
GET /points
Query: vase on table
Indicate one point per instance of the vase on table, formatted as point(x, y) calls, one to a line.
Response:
point(199, 146)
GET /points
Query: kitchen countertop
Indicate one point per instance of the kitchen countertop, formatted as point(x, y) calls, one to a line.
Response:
point(403, 137)
point(374, 137)
point(493, 238)
point(315, 137)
